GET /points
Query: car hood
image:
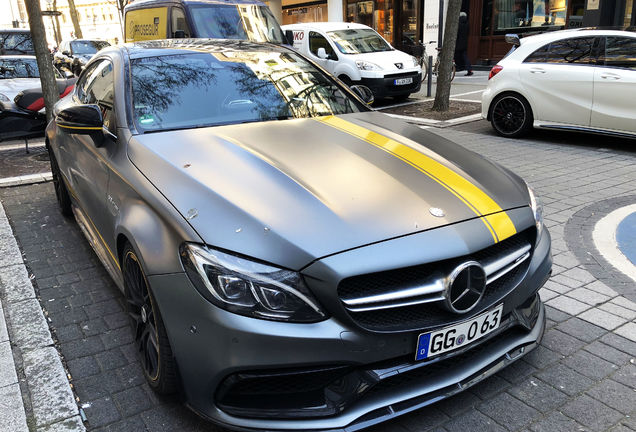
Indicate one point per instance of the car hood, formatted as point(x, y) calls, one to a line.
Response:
point(290, 192)
point(387, 60)
point(12, 86)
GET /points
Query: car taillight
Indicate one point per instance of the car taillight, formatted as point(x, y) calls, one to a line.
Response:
point(494, 71)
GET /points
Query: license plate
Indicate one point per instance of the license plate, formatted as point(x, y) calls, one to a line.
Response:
point(450, 338)
point(403, 81)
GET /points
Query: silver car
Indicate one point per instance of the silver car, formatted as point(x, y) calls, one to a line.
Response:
point(291, 259)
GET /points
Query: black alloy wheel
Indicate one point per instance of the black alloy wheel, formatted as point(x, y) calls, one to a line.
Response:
point(511, 116)
point(63, 198)
point(150, 336)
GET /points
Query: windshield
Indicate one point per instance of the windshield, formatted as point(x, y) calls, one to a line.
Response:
point(206, 89)
point(87, 47)
point(359, 41)
point(16, 43)
point(251, 22)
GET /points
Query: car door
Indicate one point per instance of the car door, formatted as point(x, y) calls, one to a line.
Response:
point(614, 105)
point(559, 80)
point(317, 41)
point(89, 154)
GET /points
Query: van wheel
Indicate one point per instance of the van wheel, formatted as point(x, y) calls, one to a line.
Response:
point(151, 339)
point(511, 115)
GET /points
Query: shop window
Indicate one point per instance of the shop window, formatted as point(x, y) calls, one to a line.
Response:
point(316, 40)
point(383, 15)
point(620, 52)
point(521, 15)
point(360, 12)
point(306, 14)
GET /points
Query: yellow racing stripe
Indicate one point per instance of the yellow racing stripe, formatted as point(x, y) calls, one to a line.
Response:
point(493, 216)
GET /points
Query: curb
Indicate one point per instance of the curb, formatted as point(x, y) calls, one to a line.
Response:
point(29, 361)
point(26, 179)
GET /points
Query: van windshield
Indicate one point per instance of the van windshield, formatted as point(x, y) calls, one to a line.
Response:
point(252, 22)
point(359, 41)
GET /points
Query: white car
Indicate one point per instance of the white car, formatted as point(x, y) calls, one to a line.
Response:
point(17, 73)
point(582, 80)
point(357, 54)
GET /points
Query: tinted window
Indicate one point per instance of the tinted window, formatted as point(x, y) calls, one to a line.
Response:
point(179, 23)
point(358, 41)
point(316, 41)
point(233, 22)
point(16, 43)
point(206, 89)
point(620, 52)
point(578, 50)
point(539, 56)
point(18, 68)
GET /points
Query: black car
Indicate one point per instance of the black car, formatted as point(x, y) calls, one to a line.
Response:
point(74, 54)
point(16, 42)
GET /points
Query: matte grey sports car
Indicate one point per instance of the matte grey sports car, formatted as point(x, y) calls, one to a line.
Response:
point(290, 258)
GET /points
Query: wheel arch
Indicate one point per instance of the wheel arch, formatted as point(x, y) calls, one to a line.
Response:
point(510, 93)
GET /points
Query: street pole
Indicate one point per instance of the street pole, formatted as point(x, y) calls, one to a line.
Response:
point(43, 56)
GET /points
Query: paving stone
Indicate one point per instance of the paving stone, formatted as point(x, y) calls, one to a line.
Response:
point(627, 374)
point(601, 288)
point(617, 310)
point(73, 424)
point(15, 284)
point(556, 422)
point(620, 428)
point(132, 401)
point(590, 365)
point(565, 379)
point(29, 328)
point(48, 386)
point(83, 367)
point(588, 296)
point(541, 357)
point(489, 387)
point(608, 353)
point(557, 287)
point(539, 395)
point(82, 347)
point(556, 315)
point(602, 319)
point(12, 415)
point(568, 305)
point(567, 281)
point(99, 386)
point(622, 301)
point(517, 371)
point(561, 342)
point(135, 423)
point(472, 421)
point(68, 333)
point(457, 404)
point(615, 395)
point(4, 335)
point(628, 331)
point(581, 329)
point(8, 375)
point(509, 411)
point(101, 412)
point(620, 343)
point(591, 413)
point(422, 420)
point(546, 294)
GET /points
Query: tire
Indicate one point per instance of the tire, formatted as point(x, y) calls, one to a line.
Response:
point(511, 115)
point(150, 337)
point(63, 198)
point(402, 97)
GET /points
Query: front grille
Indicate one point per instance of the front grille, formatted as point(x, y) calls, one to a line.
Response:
point(429, 312)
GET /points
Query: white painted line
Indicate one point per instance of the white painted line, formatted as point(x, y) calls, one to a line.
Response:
point(467, 93)
point(415, 119)
point(604, 236)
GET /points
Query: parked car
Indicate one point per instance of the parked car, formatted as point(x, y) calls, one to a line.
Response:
point(16, 41)
point(228, 19)
point(74, 54)
point(580, 80)
point(18, 73)
point(357, 54)
point(292, 258)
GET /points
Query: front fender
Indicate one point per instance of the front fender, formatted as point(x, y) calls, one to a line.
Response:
point(346, 69)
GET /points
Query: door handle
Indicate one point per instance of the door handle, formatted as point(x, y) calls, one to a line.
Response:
point(537, 70)
point(610, 76)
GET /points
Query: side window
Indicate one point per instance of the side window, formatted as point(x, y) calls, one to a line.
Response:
point(316, 40)
point(84, 81)
point(178, 23)
point(100, 90)
point(539, 55)
point(575, 50)
point(619, 52)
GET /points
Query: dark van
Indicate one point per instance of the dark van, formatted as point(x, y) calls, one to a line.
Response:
point(218, 19)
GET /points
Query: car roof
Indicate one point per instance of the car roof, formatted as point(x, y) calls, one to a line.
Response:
point(162, 47)
point(326, 26)
point(144, 3)
point(580, 32)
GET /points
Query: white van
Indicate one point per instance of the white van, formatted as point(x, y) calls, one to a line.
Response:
point(357, 54)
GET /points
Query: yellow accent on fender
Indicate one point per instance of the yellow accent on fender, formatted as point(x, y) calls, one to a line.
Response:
point(493, 216)
point(81, 127)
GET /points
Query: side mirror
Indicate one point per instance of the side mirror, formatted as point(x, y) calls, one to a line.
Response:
point(289, 35)
point(322, 53)
point(364, 93)
point(82, 120)
point(179, 34)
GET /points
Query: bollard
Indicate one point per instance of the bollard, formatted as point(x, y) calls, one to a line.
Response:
point(430, 76)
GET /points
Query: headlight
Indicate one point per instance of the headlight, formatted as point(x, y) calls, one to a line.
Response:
point(537, 209)
point(365, 65)
point(249, 288)
point(4, 98)
point(415, 62)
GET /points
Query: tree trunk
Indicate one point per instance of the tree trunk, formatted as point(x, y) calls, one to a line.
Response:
point(442, 90)
point(73, 12)
point(57, 23)
point(43, 56)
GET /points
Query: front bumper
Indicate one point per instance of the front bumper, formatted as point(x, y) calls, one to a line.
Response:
point(384, 87)
point(243, 373)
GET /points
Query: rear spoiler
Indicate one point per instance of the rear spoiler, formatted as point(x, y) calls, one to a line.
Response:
point(513, 39)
